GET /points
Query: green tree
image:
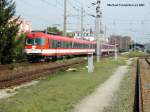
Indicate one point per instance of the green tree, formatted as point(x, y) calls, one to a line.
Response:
point(59, 32)
point(54, 30)
point(8, 31)
point(19, 48)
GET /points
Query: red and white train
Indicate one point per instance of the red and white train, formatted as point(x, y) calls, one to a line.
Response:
point(42, 45)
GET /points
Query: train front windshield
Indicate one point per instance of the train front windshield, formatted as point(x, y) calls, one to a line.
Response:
point(35, 41)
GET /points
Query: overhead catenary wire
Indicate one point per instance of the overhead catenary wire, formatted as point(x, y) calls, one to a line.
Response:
point(31, 6)
point(75, 8)
point(54, 5)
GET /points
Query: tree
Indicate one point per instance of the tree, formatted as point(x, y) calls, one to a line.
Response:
point(8, 31)
point(19, 48)
point(54, 30)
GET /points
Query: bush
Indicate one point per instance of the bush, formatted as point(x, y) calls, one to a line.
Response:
point(19, 48)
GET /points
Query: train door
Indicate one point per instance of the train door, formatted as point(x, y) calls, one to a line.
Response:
point(53, 49)
point(58, 48)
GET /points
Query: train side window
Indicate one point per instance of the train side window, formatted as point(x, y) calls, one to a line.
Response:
point(76, 46)
point(66, 45)
point(72, 45)
point(58, 44)
point(50, 43)
point(54, 44)
point(63, 44)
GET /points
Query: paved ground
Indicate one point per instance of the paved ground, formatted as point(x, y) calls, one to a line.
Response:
point(103, 95)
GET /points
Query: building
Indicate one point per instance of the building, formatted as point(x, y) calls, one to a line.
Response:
point(147, 48)
point(25, 25)
point(122, 42)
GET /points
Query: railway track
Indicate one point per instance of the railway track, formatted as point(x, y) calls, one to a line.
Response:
point(142, 89)
point(17, 78)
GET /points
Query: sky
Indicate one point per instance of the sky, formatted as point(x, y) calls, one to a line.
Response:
point(125, 21)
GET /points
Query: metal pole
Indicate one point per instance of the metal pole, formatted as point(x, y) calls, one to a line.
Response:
point(98, 29)
point(90, 63)
point(116, 51)
point(116, 55)
point(82, 22)
point(105, 33)
point(65, 17)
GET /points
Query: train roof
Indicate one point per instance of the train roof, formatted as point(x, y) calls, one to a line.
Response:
point(57, 37)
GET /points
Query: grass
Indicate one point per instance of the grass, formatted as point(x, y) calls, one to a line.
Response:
point(124, 100)
point(134, 54)
point(61, 91)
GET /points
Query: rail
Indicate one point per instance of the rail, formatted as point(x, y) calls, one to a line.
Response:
point(138, 101)
point(146, 59)
point(26, 76)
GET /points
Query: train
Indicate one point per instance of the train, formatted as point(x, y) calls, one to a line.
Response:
point(43, 45)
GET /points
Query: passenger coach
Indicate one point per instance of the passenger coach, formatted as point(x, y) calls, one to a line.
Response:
point(43, 45)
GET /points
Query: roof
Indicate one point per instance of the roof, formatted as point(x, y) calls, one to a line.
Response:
point(57, 37)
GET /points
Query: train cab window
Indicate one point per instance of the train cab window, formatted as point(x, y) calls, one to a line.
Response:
point(43, 41)
point(36, 41)
point(30, 41)
point(40, 41)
